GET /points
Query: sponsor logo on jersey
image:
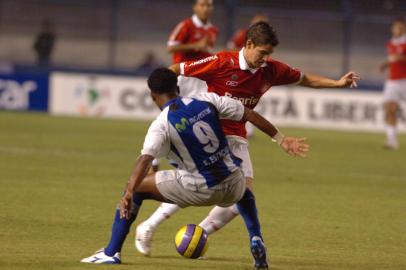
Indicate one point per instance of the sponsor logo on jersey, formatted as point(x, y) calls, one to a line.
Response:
point(232, 83)
point(182, 125)
point(200, 116)
point(204, 60)
point(245, 101)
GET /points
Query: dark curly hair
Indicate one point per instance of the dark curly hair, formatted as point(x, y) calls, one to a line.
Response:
point(163, 81)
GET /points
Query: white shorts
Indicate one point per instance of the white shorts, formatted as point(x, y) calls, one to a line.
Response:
point(239, 146)
point(395, 90)
point(177, 187)
point(189, 86)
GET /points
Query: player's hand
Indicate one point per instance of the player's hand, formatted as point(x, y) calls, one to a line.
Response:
point(349, 80)
point(125, 205)
point(295, 146)
point(202, 45)
point(395, 57)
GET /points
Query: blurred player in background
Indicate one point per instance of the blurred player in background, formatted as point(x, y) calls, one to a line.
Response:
point(188, 130)
point(245, 75)
point(395, 85)
point(237, 43)
point(238, 40)
point(192, 39)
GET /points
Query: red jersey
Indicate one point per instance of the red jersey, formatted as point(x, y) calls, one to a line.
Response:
point(238, 40)
point(190, 31)
point(397, 69)
point(228, 74)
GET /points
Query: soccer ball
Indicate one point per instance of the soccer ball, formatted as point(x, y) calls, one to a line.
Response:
point(191, 241)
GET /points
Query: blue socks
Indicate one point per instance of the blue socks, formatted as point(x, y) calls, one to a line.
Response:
point(121, 227)
point(248, 211)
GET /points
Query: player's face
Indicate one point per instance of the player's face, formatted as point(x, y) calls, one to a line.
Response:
point(203, 9)
point(257, 55)
point(398, 29)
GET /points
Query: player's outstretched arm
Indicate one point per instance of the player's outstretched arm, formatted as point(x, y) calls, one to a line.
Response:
point(315, 81)
point(202, 45)
point(140, 170)
point(293, 146)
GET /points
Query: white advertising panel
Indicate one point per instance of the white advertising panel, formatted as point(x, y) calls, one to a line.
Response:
point(325, 108)
point(100, 96)
point(128, 97)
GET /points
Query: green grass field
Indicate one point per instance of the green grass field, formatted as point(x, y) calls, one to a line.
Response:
point(344, 207)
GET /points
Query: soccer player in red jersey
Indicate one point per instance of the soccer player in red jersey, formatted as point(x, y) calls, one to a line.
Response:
point(245, 75)
point(395, 85)
point(193, 39)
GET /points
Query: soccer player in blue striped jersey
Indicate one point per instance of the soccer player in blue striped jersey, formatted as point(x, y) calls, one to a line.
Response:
point(188, 131)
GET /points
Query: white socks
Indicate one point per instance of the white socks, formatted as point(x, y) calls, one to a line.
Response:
point(164, 211)
point(218, 218)
point(391, 134)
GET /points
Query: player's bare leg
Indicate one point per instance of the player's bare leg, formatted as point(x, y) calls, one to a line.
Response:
point(220, 216)
point(391, 109)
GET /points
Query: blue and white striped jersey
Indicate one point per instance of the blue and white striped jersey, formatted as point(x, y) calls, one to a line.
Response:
point(188, 131)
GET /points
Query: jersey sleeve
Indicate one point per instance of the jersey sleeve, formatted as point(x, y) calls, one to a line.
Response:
point(156, 141)
point(179, 35)
point(283, 74)
point(202, 69)
point(227, 107)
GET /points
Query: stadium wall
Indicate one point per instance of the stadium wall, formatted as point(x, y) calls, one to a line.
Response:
point(117, 96)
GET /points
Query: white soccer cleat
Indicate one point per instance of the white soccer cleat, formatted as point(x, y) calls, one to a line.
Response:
point(143, 238)
point(101, 258)
point(391, 145)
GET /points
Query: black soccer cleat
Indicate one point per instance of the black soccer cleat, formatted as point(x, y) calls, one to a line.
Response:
point(258, 251)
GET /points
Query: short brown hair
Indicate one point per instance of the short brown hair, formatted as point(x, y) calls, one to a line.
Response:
point(261, 33)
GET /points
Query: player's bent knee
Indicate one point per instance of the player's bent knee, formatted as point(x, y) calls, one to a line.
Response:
point(148, 185)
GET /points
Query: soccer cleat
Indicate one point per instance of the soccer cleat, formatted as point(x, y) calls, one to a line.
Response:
point(258, 251)
point(391, 145)
point(143, 238)
point(101, 258)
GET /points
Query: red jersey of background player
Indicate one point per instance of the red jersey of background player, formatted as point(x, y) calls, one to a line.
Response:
point(397, 69)
point(238, 40)
point(228, 74)
point(192, 30)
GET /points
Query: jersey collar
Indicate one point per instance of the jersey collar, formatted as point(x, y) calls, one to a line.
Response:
point(399, 40)
point(169, 102)
point(198, 23)
point(243, 63)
